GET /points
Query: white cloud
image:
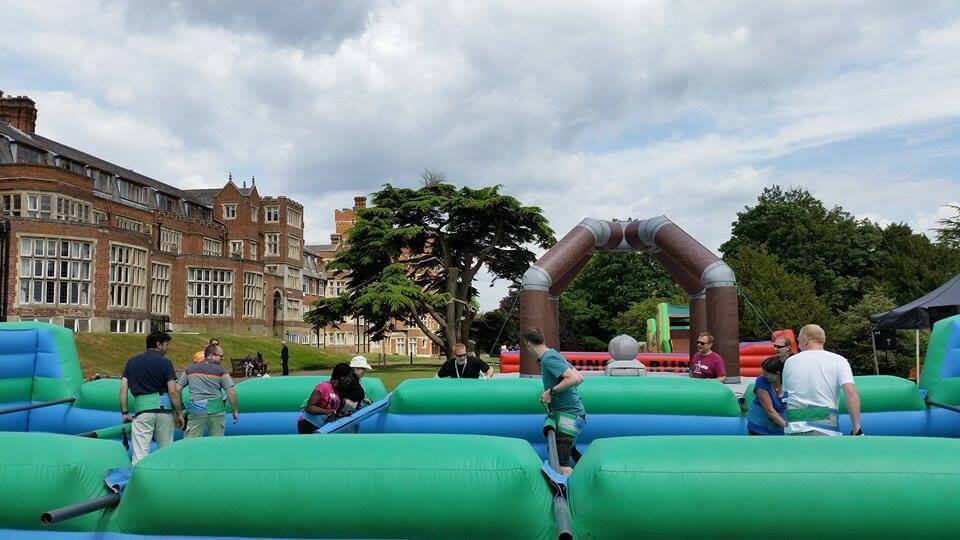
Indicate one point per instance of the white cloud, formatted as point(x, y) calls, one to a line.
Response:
point(690, 107)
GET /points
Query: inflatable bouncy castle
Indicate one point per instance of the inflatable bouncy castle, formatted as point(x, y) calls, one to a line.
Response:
point(436, 443)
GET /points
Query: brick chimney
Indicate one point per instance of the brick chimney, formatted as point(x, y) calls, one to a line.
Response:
point(359, 203)
point(19, 111)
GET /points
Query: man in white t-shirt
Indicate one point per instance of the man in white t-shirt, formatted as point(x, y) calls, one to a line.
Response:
point(812, 380)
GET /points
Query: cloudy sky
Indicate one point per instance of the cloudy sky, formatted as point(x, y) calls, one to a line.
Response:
point(611, 109)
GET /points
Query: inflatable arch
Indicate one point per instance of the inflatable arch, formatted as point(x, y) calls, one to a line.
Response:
point(709, 283)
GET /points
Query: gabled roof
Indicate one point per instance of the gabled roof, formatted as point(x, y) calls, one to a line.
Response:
point(68, 152)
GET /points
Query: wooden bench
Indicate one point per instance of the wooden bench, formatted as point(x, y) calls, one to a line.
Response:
point(236, 367)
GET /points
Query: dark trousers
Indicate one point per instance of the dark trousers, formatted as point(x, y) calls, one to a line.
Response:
point(304, 427)
point(286, 367)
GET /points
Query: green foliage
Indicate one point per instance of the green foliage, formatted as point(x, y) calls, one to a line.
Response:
point(500, 326)
point(440, 236)
point(591, 343)
point(829, 246)
point(910, 265)
point(633, 321)
point(609, 285)
point(485, 330)
point(328, 312)
point(851, 338)
point(579, 323)
point(784, 299)
point(948, 234)
point(393, 297)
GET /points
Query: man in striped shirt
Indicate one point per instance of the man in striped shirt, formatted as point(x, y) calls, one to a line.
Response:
point(208, 383)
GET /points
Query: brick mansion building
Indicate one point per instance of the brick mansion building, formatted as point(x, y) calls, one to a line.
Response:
point(97, 247)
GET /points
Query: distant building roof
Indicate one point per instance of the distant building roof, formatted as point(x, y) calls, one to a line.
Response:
point(205, 195)
point(49, 145)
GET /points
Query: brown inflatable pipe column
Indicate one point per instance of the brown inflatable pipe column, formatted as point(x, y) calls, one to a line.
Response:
point(717, 278)
point(698, 318)
point(537, 311)
point(722, 317)
point(545, 280)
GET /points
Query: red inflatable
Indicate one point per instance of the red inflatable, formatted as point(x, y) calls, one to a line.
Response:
point(596, 361)
point(752, 354)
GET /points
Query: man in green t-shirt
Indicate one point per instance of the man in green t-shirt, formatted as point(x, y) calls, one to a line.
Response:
point(560, 381)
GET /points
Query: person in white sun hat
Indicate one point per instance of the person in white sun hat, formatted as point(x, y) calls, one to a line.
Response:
point(354, 395)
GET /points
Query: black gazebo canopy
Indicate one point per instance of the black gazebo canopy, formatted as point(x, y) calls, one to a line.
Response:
point(942, 302)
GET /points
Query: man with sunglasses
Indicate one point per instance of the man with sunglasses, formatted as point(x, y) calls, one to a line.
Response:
point(464, 366)
point(782, 347)
point(705, 363)
point(208, 382)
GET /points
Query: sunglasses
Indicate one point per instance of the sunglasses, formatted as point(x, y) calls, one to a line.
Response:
point(702, 343)
point(781, 346)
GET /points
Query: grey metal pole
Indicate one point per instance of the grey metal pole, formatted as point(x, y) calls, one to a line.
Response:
point(918, 358)
point(78, 509)
point(553, 457)
point(942, 405)
point(31, 406)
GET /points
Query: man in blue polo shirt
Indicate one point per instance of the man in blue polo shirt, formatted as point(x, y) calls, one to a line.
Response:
point(150, 378)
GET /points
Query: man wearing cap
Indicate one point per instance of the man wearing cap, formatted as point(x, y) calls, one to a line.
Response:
point(149, 376)
point(208, 381)
point(355, 396)
point(462, 366)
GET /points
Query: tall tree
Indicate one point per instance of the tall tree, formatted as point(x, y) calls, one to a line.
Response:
point(836, 251)
point(851, 338)
point(910, 265)
point(948, 234)
point(777, 298)
point(440, 236)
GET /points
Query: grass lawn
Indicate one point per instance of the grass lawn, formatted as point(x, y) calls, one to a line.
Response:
point(107, 353)
point(393, 375)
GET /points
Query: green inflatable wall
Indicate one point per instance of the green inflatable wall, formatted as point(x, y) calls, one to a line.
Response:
point(611, 395)
point(44, 471)
point(658, 395)
point(270, 394)
point(944, 390)
point(881, 393)
point(356, 486)
point(784, 487)
point(102, 394)
point(878, 393)
point(267, 394)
